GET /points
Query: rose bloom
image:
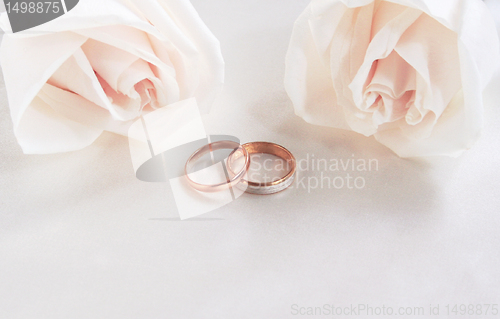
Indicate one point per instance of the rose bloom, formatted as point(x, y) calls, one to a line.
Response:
point(409, 72)
point(102, 65)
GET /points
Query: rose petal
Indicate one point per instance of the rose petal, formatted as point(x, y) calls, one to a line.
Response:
point(475, 27)
point(494, 6)
point(76, 75)
point(383, 13)
point(307, 80)
point(323, 18)
point(185, 80)
point(202, 50)
point(58, 134)
point(381, 46)
point(118, 72)
point(157, 54)
point(75, 107)
point(451, 134)
point(392, 76)
point(457, 129)
point(26, 71)
point(140, 71)
point(432, 50)
point(108, 61)
point(349, 43)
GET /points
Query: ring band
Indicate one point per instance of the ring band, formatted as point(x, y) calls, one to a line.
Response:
point(236, 177)
point(266, 188)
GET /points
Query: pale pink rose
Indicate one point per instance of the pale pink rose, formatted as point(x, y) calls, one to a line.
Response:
point(409, 72)
point(101, 66)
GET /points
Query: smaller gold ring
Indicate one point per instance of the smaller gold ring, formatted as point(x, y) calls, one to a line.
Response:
point(235, 178)
point(266, 188)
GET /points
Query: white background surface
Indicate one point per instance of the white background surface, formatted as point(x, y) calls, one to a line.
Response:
point(81, 237)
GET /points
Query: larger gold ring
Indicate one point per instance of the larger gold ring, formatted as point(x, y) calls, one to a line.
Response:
point(266, 188)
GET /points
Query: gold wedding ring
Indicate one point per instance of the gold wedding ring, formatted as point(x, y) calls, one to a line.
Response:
point(231, 182)
point(266, 188)
point(235, 178)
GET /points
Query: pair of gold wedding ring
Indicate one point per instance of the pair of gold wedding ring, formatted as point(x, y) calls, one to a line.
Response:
point(239, 177)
